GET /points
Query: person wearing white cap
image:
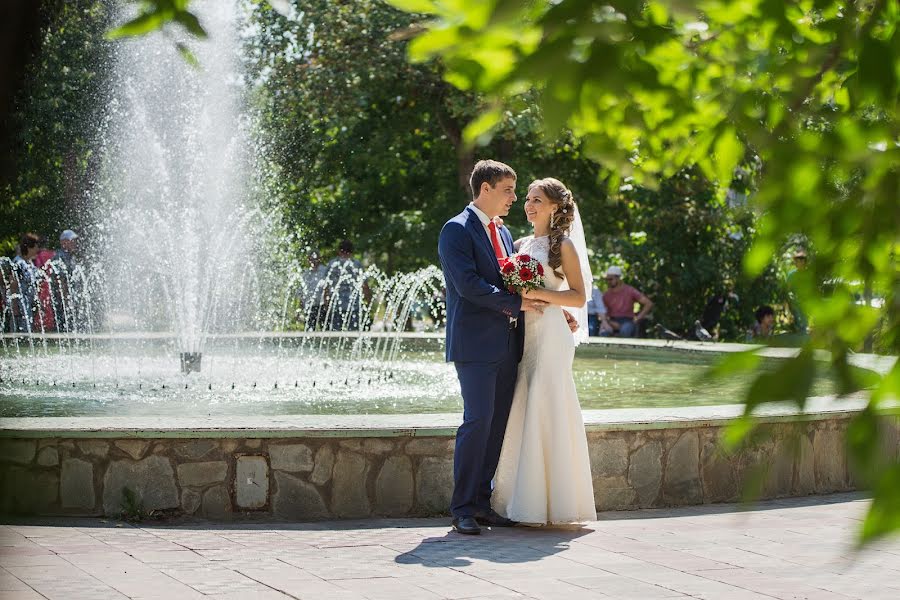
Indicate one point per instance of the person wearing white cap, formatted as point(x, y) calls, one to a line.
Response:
point(67, 286)
point(67, 250)
point(620, 299)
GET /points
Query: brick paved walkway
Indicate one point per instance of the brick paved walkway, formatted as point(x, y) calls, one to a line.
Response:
point(797, 548)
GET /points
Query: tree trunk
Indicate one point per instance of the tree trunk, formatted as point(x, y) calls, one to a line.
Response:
point(20, 40)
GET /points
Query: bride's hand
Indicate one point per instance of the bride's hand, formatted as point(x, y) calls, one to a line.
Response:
point(528, 293)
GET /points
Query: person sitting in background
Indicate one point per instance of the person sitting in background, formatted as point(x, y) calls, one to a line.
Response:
point(765, 323)
point(620, 299)
point(597, 319)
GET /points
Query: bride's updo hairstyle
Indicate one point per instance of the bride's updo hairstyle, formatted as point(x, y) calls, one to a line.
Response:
point(561, 220)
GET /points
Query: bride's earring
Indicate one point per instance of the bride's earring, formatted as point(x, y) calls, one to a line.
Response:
point(552, 220)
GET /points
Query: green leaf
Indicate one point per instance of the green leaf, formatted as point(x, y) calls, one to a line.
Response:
point(884, 512)
point(759, 257)
point(479, 130)
point(191, 23)
point(737, 431)
point(877, 71)
point(789, 382)
point(731, 364)
point(728, 150)
point(140, 25)
point(187, 55)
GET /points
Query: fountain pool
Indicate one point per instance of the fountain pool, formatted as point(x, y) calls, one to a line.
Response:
point(301, 374)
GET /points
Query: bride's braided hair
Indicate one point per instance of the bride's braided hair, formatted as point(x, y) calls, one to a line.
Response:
point(560, 221)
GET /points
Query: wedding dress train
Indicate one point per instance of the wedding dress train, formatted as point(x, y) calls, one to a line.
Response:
point(544, 474)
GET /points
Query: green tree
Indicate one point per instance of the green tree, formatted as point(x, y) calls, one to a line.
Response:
point(651, 87)
point(58, 112)
point(362, 144)
point(682, 245)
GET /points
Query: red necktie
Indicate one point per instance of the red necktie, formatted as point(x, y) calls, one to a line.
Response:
point(495, 241)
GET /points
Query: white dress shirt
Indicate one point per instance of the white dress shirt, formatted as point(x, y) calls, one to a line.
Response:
point(485, 221)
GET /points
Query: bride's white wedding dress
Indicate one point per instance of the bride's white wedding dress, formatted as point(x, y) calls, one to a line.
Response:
point(544, 474)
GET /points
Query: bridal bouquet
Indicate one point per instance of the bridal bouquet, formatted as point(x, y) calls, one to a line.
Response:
point(521, 272)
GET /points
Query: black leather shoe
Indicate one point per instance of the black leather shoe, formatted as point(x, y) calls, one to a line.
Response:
point(466, 525)
point(490, 518)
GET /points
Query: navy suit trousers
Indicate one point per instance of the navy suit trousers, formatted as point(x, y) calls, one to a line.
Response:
point(487, 391)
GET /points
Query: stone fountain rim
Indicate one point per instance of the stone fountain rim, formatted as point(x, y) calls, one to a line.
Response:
point(406, 425)
point(445, 424)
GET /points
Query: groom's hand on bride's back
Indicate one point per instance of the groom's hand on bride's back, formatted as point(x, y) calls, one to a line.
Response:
point(532, 304)
point(571, 321)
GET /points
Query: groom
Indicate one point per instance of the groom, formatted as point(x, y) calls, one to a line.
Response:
point(484, 338)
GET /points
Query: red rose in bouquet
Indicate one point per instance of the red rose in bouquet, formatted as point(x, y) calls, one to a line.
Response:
point(521, 272)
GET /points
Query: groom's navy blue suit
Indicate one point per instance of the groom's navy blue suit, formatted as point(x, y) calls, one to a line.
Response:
point(485, 345)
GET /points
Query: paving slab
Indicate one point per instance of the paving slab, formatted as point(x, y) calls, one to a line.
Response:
point(784, 549)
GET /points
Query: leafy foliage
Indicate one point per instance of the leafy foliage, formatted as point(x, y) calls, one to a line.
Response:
point(364, 145)
point(682, 245)
point(653, 87)
point(58, 112)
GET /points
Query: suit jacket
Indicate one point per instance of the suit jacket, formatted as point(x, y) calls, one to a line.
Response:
point(479, 307)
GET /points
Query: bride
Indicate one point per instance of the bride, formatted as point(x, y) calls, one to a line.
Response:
point(544, 474)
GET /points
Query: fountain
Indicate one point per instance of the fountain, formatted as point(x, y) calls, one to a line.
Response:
point(343, 413)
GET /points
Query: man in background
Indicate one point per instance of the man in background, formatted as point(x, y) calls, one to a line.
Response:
point(620, 299)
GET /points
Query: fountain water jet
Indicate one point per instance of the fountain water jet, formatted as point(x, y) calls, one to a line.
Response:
point(177, 210)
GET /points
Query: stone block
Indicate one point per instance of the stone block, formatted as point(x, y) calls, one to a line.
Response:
point(18, 451)
point(682, 475)
point(196, 449)
point(430, 447)
point(349, 496)
point(76, 487)
point(216, 503)
point(780, 478)
point(394, 487)
point(324, 465)
point(99, 448)
point(202, 473)
point(354, 445)
point(134, 448)
point(252, 443)
point(190, 501)
point(296, 499)
point(805, 479)
point(28, 492)
point(291, 457)
point(434, 485)
point(151, 479)
point(251, 482)
point(609, 456)
point(645, 472)
point(830, 460)
point(48, 457)
point(889, 437)
point(717, 473)
point(376, 446)
point(614, 493)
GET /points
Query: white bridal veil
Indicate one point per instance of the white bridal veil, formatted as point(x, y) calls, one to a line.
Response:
point(576, 234)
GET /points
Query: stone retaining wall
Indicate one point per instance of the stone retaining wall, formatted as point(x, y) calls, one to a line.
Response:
point(326, 477)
